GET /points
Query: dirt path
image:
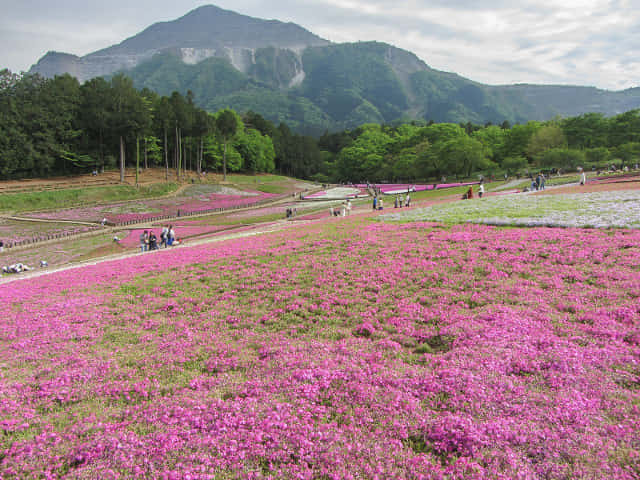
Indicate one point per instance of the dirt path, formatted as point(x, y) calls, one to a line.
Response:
point(259, 230)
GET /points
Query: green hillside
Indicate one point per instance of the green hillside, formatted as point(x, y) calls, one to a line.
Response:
point(346, 85)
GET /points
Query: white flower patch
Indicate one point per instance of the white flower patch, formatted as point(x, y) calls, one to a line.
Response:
point(619, 209)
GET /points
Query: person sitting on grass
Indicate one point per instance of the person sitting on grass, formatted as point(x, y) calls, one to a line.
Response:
point(470, 192)
point(16, 268)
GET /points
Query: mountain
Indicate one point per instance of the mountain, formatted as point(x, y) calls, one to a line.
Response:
point(203, 33)
point(288, 74)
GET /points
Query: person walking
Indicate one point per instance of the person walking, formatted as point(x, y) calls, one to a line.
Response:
point(153, 241)
point(163, 236)
point(171, 236)
point(144, 241)
point(348, 206)
point(408, 200)
point(481, 190)
point(375, 202)
point(583, 178)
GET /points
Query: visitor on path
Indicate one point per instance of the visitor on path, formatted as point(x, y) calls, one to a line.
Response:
point(407, 202)
point(164, 234)
point(1, 246)
point(144, 241)
point(331, 211)
point(343, 209)
point(103, 222)
point(401, 201)
point(44, 264)
point(171, 236)
point(380, 204)
point(153, 241)
point(583, 178)
point(470, 192)
point(349, 207)
point(395, 204)
point(375, 202)
point(481, 190)
point(543, 180)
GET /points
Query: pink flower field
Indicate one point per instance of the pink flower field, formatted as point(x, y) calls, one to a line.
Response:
point(12, 231)
point(350, 351)
point(143, 210)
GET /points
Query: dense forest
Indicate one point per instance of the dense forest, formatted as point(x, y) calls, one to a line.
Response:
point(57, 127)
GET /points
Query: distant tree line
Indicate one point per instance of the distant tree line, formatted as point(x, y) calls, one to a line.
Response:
point(57, 127)
point(423, 152)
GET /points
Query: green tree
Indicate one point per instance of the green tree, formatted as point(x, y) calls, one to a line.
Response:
point(461, 156)
point(517, 141)
point(624, 128)
point(227, 125)
point(544, 138)
point(586, 131)
point(363, 159)
point(493, 139)
point(597, 157)
point(513, 165)
point(129, 114)
point(564, 158)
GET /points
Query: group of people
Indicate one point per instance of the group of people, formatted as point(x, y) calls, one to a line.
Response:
point(538, 182)
point(292, 212)
point(400, 201)
point(16, 268)
point(149, 241)
point(469, 193)
point(344, 210)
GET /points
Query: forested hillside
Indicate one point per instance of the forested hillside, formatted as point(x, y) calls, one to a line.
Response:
point(57, 126)
point(290, 75)
point(346, 85)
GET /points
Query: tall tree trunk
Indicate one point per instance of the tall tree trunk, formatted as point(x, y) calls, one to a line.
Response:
point(166, 156)
point(101, 152)
point(184, 157)
point(177, 163)
point(121, 159)
point(224, 162)
point(146, 165)
point(137, 159)
point(200, 155)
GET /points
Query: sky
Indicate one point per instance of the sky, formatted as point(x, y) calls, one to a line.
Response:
point(498, 42)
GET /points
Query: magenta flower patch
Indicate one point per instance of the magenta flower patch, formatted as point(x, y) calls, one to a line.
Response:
point(338, 350)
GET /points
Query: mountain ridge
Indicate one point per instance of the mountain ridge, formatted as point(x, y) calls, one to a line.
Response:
point(289, 74)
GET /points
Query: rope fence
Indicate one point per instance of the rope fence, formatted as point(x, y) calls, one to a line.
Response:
point(179, 214)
